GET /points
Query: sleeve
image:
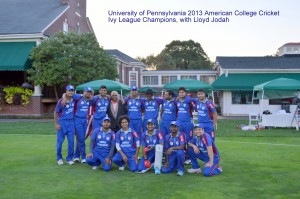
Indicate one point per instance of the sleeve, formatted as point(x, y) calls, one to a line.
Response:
point(136, 139)
point(211, 106)
point(160, 137)
point(93, 140)
point(143, 141)
point(207, 140)
point(193, 141)
point(159, 100)
point(93, 101)
point(167, 144)
point(112, 147)
point(182, 139)
point(118, 141)
point(76, 97)
point(58, 106)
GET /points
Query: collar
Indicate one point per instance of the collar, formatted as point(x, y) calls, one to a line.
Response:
point(109, 130)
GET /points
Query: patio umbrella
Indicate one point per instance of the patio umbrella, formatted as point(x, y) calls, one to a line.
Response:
point(110, 85)
point(143, 90)
point(191, 85)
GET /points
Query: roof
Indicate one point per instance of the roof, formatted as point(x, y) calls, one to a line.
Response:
point(247, 81)
point(28, 17)
point(118, 54)
point(259, 62)
point(14, 55)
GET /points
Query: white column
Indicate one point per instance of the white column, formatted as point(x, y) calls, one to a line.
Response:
point(37, 91)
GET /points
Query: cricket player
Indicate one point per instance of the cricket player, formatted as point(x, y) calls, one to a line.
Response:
point(207, 114)
point(100, 105)
point(169, 112)
point(102, 146)
point(203, 147)
point(149, 139)
point(82, 104)
point(174, 146)
point(127, 145)
point(151, 105)
point(64, 125)
point(135, 108)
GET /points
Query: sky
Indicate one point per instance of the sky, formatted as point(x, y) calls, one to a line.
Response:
point(240, 36)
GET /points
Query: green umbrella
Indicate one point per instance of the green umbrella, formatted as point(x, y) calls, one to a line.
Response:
point(110, 85)
point(143, 90)
point(191, 85)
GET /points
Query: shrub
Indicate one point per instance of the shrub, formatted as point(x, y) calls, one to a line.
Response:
point(17, 95)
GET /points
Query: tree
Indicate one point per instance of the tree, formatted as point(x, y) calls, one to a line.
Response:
point(70, 59)
point(181, 55)
point(187, 55)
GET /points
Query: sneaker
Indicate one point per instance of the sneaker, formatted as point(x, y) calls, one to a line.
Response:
point(194, 170)
point(143, 171)
point(157, 171)
point(220, 168)
point(122, 168)
point(139, 158)
point(70, 162)
point(94, 167)
point(180, 173)
point(76, 160)
point(83, 161)
point(188, 161)
point(60, 162)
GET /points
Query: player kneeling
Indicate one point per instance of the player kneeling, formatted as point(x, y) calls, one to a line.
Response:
point(152, 143)
point(102, 146)
point(203, 147)
point(174, 146)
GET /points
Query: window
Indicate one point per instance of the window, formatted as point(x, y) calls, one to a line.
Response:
point(150, 80)
point(189, 77)
point(208, 78)
point(78, 27)
point(168, 79)
point(243, 97)
point(65, 27)
point(77, 10)
point(133, 78)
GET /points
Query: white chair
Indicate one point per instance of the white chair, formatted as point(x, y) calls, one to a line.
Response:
point(253, 117)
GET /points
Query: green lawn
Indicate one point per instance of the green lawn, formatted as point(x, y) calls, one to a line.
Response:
point(256, 164)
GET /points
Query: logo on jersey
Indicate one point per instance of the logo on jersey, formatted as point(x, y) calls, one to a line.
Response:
point(147, 103)
point(107, 138)
point(184, 105)
point(88, 103)
point(105, 103)
point(171, 143)
point(129, 103)
point(154, 141)
point(82, 102)
point(177, 143)
point(129, 138)
point(137, 103)
point(67, 106)
point(153, 104)
point(148, 141)
point(99, 137)
point(122, 138)
point(99, 104)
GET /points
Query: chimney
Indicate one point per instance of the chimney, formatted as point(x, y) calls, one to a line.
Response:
point(64, 2)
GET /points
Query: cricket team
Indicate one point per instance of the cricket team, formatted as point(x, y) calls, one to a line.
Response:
point(166, 145)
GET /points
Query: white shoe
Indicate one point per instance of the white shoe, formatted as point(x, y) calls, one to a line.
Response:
point(83, 161)
point(60, 162)
point(77, 160)
point(70, 162)
point(122, 168)
point(143, 171)
point(188, 161)
point(180, 173)
point(194, 170)
point(95, 168)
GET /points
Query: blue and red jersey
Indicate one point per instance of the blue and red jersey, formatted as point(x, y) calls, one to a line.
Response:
point(152, 140)
point(152, 107)
point(103, 141)
point(100, 106)
point(202, 143)
point(135, 108)
point(174, 141)
point(205, 110)
point(65, 112)
point(169, 110)
point(128, 140)
point(81, 106)
point(185, 109)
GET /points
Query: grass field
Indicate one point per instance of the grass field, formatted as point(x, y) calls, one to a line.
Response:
point(256, 164)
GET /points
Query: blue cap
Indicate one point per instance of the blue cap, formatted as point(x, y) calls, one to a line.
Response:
point(199, 126)
point(88, 89)
point(106, 118)
point(150, 121)
point(174, 123)
point(134, 88)
point(70, 87)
